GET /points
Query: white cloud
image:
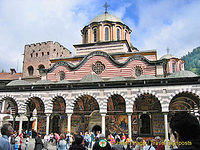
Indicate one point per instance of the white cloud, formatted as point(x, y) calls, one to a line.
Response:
point(31, 21)
point(161, 24)
point(172, 24)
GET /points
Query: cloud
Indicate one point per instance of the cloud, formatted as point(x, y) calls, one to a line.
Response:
point(155, 24)
point(172, 24)
point(31, 21)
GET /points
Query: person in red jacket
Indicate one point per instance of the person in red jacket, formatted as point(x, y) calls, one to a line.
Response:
point(160, 145)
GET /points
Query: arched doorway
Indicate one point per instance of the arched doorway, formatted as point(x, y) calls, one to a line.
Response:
point(96, 129)
point(84, 112)
point(145, 124)
point(58, 119)
point(55, 128)
point(147, 118)
point(116, 119)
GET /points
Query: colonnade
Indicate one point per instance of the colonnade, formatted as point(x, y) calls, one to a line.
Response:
point(103, 123)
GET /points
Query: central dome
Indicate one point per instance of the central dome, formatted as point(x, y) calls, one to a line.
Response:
point(106, 17)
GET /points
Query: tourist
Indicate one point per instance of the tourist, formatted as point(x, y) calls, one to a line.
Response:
point(186, 130)
point(17, 142)
point(117, 136)
point(51, 137)
point(101, 143)
point(62, 144)
point(38, 142)
point(110, 136)
point(6, 132)
point(92, 137)
point(149, 146)
point(46, 141)
point(123, 137)
point(86, 139)
point(26, 143)
point(68, 139)
point(77, 144)
point(12, 141)
point(139, 144)
point(159, 144)
point(118, 145)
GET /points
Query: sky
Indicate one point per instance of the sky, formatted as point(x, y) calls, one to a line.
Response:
point(155, 24)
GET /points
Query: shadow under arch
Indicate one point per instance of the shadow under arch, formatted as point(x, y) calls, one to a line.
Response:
point(185, 101)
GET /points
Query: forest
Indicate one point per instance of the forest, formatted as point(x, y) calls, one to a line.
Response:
point(192, 61)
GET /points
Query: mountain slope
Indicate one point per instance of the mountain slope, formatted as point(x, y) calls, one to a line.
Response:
point(192, 61)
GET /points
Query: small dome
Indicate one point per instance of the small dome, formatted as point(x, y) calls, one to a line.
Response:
point(120, 78)
point(182, 74)
point(91, 78)
point(63, 82)
point(145, 77)
point(18, 82)
point(167, 56)
point(106, 17)
point(40, 82)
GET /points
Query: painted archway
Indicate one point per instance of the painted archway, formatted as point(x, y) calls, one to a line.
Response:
point(58, 118)
point(147, 118)
point(35, 103)
point(8, 106)
point(185, 101)
point(85, 114)
point(116, 119)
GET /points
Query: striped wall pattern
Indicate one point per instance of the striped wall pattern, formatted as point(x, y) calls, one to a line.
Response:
point(163, 94)
point(109, 72)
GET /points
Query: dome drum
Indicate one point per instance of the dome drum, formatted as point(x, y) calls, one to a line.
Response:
point(105, 27)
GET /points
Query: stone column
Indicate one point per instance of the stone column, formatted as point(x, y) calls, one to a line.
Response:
point(3, 106)
point(166, 131)
point(129, 126)
point(36, 122)
point(69, 122)
point(14, 117)
point(47, 124)
point(103, 121)
point(20, 123)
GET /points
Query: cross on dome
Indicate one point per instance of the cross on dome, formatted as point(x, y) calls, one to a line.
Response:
point(106, 7)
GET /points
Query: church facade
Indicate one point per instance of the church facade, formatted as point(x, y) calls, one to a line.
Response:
point(109, 85)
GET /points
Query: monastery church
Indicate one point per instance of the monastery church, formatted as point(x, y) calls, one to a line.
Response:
point(109, 85)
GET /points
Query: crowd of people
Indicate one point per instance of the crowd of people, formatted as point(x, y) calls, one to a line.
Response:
point(184, 126)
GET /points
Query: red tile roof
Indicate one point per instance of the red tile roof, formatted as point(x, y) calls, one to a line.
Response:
point(9, 76)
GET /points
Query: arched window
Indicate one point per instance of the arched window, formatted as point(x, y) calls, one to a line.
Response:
point(62, 76)
point(30, 70)
point(180, 66)
point(86, 36)
point(40, 67)
point(106, 34)
point(125, 35)
point(118, 34)
point(173, 67)
point(95, 34)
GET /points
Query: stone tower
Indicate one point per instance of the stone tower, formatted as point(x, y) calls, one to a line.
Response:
point(38, 56)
